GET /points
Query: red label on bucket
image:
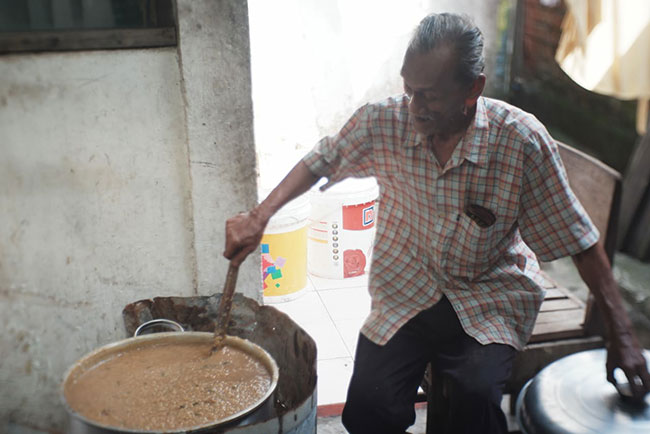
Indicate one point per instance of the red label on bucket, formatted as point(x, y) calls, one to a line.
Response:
point(354, 263)
point(359, 217)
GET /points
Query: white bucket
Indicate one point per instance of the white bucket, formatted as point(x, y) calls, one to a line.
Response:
point(284, 252)
point(342, 229)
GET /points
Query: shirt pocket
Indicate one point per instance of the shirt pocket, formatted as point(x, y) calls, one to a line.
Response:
point(468, 248)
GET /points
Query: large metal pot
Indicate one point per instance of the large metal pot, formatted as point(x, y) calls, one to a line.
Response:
point(77, 423)
point(572, 395)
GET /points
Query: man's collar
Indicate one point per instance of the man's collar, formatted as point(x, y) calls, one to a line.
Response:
point(475, 140)
point(474, 143)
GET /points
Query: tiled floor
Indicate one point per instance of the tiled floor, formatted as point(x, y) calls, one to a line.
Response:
point(332, 312)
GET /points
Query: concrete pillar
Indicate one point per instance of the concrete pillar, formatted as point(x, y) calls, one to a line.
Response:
point(215, 64)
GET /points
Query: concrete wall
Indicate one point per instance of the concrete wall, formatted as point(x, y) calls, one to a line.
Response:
point(214, 46)
point(117, 170)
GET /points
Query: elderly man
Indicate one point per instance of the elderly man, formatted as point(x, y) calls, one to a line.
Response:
point(473, 191)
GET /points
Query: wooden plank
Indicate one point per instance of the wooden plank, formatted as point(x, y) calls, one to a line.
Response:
point(593, 182)
point(555, 293)
point(598, 187)
point(560, 304)
point(15, 42)
point(560, 316)
point(555, 331)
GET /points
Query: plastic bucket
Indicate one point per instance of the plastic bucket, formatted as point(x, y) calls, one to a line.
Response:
point(342, 229)
point(284, 252)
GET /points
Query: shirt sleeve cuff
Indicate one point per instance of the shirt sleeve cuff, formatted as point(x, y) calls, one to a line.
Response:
point(586, 237)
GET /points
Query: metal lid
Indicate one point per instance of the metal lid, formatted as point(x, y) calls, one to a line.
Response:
point(572, 395)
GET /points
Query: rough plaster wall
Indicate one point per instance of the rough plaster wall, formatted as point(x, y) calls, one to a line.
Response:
point(215, 58)
point(94, 205)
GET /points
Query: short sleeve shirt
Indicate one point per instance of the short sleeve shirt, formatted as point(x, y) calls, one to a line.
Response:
point(428, 244)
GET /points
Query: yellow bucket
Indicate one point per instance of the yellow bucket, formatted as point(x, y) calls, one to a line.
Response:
point(284, 252)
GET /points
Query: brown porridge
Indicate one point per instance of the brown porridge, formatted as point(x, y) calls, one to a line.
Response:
point(168, 386)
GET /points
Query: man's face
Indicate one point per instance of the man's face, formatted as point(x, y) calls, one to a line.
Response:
point(436, 98)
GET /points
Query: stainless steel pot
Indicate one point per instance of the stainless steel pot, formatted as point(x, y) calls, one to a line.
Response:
point(572, 395)
point(77, 423)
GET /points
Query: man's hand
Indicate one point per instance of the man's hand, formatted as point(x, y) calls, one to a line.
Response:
point(244, 231)
point(623, 349)
point(243, 234)
point(624, 352)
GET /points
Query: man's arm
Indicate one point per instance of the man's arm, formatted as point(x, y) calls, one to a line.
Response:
point(244, 231)
point(623, 350)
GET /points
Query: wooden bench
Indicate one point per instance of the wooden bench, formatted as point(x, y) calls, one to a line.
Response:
point(565, 324)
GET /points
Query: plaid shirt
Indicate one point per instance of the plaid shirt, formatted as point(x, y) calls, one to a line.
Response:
point(426, 244)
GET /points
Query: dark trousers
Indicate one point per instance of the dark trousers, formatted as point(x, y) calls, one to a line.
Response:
point(385, 379)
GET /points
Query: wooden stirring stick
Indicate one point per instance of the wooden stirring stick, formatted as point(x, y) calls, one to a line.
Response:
point(223, 314)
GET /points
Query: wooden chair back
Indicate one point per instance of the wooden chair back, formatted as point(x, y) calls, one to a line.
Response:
point(598, 187)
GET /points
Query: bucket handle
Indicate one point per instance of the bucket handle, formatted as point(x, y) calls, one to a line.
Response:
point(172, 325)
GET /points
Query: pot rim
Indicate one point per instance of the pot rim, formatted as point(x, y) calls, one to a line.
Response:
point(244, 344)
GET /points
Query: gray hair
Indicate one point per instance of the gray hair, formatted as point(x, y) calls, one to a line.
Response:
point(458, 32)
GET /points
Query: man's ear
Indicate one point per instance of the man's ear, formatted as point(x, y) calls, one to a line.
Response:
point(475, 90)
